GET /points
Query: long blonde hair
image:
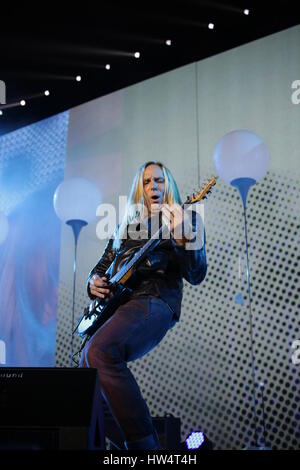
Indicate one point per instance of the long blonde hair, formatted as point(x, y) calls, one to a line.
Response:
point(136, 208)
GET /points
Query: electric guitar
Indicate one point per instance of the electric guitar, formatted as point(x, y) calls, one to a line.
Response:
point(100, 310)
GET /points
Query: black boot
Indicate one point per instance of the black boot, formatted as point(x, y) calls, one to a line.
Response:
point(150, 442)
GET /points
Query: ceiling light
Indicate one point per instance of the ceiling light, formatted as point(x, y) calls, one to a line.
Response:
point(47, 92)
point(78, 78)
point(211, 26)
point(1, 112)
point(22, 102)
point(107, 66)
point(168, 42)
point(246, 11)
point(137, 55)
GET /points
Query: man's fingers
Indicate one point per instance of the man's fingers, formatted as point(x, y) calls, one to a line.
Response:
point(103, 290)
point(101, 294)
point(98, 282)
point(96, 293)
point(178, 211)
point(175, 210)
point(166, 220)
point(173, 216)
point(99, 286)
point(96, 277)
point(166, 210)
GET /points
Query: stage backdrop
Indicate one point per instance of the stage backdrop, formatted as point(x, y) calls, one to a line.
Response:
point(201, 371)
point(32, 163)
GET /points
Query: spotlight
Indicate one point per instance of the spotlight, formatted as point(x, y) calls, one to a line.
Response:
point(194, 440)
point(211, 26)
point(107, 66)
point(22, 102)
point(246, 11)
point(47, 93)
point(168, 42)
point(197, 440)
point(1, 112)
point(137, 55)
point(78, 78)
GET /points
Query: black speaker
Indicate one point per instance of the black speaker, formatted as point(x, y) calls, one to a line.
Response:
point(168, 430)
point(50, 408)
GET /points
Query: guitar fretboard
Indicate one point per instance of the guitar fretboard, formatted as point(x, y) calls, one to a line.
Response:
point(155, 239)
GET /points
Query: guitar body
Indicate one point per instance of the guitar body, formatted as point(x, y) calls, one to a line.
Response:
point(99, 311)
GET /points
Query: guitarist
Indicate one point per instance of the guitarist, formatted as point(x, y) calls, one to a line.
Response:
point(153, 306)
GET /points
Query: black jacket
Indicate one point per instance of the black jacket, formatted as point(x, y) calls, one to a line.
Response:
point(160, 274)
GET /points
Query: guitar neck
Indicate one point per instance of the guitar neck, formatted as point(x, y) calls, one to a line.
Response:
point(139, 255)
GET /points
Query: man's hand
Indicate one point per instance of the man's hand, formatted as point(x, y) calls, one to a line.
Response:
point(178, 222)
point(98, 287)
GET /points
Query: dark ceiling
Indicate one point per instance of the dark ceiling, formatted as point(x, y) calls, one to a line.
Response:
point(44, 46)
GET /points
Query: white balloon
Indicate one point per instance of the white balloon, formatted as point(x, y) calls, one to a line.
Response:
point(76, 199)
point(3, 227)
point(241, 154)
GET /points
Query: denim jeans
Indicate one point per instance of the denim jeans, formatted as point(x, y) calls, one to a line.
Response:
point(135, 328)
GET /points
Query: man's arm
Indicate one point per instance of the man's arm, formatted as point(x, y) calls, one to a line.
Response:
point(191, 253)
point(103, 264)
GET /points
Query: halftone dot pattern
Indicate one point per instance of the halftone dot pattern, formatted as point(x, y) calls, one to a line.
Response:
point(30, 158)
point(32, 162)
point(201, 371)
point(64, 323)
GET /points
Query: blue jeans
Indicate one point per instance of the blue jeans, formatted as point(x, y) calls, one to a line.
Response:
point(135, 328)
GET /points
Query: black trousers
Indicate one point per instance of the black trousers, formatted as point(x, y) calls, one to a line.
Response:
point(135, 329)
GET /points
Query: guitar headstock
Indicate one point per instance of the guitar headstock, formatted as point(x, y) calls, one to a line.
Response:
point(202, 193)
